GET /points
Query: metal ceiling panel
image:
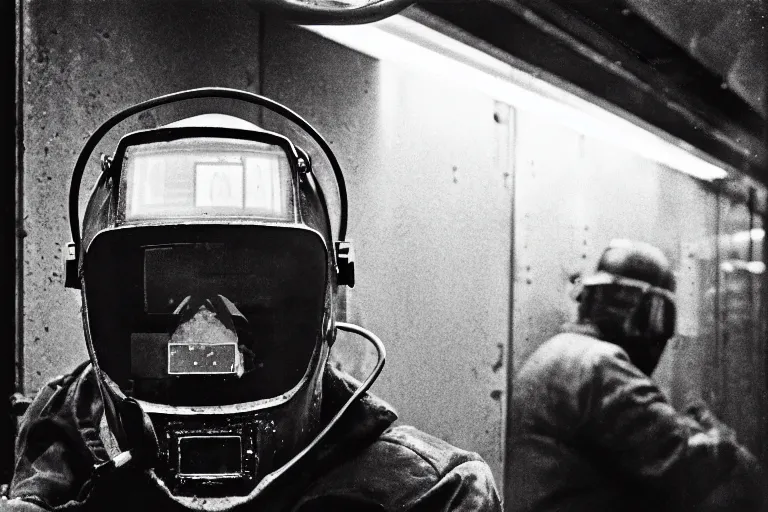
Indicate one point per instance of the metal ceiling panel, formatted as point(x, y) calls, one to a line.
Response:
point(726, 37)
point(612, 54)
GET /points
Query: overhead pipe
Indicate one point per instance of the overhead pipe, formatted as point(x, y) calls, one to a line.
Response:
point(334, 12)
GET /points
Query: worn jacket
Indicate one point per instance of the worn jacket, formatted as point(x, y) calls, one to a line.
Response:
point(365, 464)
point(591, 432)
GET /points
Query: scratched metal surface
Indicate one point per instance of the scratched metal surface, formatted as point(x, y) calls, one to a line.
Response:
point(740, 372)
point(575, 193)
point(430, 216)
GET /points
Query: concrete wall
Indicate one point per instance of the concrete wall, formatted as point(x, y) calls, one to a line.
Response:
point(83, 61)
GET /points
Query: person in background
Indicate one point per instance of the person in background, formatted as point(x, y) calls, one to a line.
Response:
point(593, 432)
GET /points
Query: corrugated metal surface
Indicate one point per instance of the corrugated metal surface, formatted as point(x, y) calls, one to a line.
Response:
point(430, 215)
point(740, 378)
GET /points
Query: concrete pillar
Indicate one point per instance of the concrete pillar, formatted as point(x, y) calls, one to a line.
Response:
point(83, 61)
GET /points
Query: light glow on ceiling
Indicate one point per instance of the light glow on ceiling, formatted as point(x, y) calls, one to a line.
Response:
point(756, 234)
point(411, 45)
point(753, 267)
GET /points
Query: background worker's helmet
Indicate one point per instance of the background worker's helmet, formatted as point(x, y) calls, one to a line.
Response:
point(630, 298)
point(637, 260)
point(208, 271)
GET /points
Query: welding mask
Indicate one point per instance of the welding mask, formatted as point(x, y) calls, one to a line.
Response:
point(631, 299)
point(208, 273)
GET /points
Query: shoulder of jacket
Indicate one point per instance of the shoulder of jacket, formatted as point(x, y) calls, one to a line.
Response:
point(440, 455)
point(80, 371)
point(586, 347)
point(55, 393)
point(571, 359)
point(400, 468)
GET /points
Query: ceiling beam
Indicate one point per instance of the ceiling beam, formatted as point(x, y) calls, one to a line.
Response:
point(626, 63)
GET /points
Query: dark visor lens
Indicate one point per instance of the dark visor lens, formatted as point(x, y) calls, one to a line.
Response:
point(619, 296)
point(661, 315)
point(223, 315)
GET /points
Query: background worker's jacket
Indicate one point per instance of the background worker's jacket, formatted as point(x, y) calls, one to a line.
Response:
point(591, 432)
point(365, 464)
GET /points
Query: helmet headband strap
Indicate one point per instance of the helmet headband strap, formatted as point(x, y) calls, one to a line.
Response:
point(605, 278)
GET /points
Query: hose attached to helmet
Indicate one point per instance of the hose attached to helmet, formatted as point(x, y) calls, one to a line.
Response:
point(365, 386)
point(210, 504)
point(335, 13)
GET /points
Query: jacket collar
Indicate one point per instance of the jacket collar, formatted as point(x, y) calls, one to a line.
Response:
point(365, 420)
point(68, 415)
point(583, 328)
point(360, 426)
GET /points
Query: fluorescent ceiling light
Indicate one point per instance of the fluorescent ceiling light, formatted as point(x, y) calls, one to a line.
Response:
point(753, 267)
point(755, 234)
point(410, 44)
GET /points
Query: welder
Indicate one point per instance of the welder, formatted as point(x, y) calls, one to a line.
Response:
point(208, 268)
point(592, 431)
